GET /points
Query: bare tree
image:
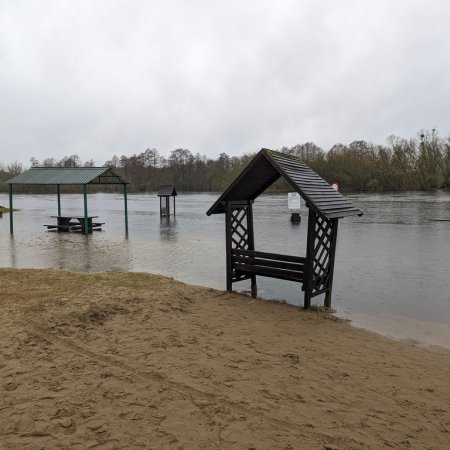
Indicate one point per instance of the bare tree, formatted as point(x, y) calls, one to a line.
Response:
point(70, 161)
point(89, 163)
point(113, 163)
point(49, 162)
point(14, 168)
point(34, 162)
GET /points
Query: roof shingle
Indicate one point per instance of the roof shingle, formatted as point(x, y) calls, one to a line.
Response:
point(67, 175)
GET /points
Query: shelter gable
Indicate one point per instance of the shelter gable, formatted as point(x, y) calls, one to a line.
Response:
point(259, 175)
point(166, 190)
point(267, 167)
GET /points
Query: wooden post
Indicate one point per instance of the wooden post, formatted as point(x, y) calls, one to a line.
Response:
point(251, 245)
point(126, 207)
point(309, 264)
point(174, 206)
point(168, 207)
point(228, 245)
point(160, 207)
point(58, 193)
point(11, 220)
point(86, 224)
point(327, 301)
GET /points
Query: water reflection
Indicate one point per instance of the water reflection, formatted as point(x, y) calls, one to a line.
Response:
point(168, 228)
point(67, 253)
point(12, 252)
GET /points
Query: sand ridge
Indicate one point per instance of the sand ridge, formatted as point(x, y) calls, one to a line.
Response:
point(126, 360)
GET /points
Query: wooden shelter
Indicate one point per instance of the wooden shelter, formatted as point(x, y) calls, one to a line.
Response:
point(166, 191)
point(325, 207)
point(67, 176)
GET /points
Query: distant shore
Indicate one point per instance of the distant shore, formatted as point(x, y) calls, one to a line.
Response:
point(142, 361)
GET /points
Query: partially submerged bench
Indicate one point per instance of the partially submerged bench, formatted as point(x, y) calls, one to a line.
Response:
point(75, 223)
point(325, 206)
point(285, 267)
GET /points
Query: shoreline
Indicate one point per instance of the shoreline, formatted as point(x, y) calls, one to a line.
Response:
point(401, 328)
point(144, 361)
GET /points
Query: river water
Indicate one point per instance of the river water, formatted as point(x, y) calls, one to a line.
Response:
point(392, 272)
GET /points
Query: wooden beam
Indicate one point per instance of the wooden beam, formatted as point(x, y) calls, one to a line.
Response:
point(327, 301)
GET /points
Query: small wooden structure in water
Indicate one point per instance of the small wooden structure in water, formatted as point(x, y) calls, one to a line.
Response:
point(165, 192)
point(325, 207)
point(68, 175)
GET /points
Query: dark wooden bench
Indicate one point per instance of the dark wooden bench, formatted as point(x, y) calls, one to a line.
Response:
point(97, 226)
point(252, 262)
point(53, 227)
point(74, 223)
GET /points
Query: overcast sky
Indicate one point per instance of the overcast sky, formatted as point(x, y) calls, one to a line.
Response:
point(104, 77)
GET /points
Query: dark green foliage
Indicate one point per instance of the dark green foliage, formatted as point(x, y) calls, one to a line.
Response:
point(421, 163)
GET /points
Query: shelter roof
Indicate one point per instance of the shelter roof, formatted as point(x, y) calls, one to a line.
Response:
point(267, 166)
point(166, 190)
point(67, 175)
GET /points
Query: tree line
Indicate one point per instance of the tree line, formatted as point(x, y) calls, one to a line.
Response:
point(420, 163)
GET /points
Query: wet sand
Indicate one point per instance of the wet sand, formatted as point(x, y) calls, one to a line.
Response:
point(403, 328)
point(128, 360)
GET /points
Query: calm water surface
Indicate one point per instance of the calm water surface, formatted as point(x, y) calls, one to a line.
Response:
point(394, 260)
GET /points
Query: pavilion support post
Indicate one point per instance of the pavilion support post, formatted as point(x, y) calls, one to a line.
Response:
point(168, 207)
point(251, 245)
point(86, 222)
point(327, 301)
point(126, 207)
point(309, 268)
point(11, 220)
point(228, 244)
point(174, 206)
point(160, 207)
point(58, 194)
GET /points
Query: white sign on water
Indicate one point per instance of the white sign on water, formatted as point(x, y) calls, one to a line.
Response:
point(294, 200)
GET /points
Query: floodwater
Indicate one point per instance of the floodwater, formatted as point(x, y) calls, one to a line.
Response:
point(392, 264)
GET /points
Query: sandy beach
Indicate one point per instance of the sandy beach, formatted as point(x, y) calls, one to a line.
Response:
point(132, 360)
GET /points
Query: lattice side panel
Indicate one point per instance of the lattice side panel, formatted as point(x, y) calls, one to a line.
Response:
point(239, 231)
point(322, 253)
point(240, 236)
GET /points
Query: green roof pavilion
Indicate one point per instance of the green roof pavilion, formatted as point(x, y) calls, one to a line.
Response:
point(67, 176)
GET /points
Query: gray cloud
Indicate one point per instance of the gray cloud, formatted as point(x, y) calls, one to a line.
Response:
point(107, 77)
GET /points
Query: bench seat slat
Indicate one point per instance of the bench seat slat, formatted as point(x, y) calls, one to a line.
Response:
point(298, 267)
point(270, 272)
point(274, 256)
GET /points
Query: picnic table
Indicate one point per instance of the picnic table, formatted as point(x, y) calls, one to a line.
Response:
point(74, 223)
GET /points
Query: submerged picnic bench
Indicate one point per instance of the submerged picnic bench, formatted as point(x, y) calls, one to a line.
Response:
point(64, 176)
point(74, 223)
